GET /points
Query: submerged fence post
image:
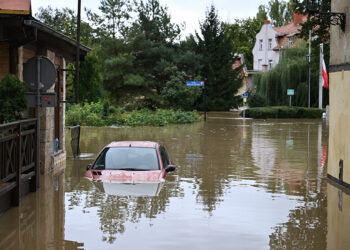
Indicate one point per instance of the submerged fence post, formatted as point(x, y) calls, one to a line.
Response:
point(75, 140)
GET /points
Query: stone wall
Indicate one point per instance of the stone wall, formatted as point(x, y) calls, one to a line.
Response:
point(52, 119)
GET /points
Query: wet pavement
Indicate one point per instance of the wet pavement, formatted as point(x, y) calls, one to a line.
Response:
point(239, 184)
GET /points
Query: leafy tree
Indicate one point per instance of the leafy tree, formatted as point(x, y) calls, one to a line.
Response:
point(13, 98)
point(320, 34)
point(290, 73)
point(244, 33)
point(280, 12)
point(113, 21)
point(90, 80)
point(217, 48)
point(65, 21)
point(177, 95)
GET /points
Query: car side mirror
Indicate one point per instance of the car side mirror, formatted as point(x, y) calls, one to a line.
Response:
point(88, 166)
point(170, 168)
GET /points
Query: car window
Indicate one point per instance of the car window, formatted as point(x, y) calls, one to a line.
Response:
point(100, 161)
point(128, 158)
point(164, 155)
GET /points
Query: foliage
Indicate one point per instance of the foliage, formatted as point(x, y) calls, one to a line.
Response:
point(64, 20)
point(90, 80)
point(280, 12)
point(103, 114)
point(320, 30)
point(112, 22)
point(217, 48)
point(13, 98)
point(178, 96)
point(282, 112)
point(290, 73)
point(256, 100)
point(244, 33)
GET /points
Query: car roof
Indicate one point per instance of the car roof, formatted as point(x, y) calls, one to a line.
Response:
point(139, 144)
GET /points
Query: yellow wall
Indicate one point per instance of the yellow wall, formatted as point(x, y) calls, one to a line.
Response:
point(338, 218)
point(339, 124)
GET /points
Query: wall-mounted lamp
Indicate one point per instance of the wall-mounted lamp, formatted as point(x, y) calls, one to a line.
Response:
point(313, 8)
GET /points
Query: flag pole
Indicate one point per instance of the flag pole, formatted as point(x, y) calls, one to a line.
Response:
point(320, 79)
point(309, 75)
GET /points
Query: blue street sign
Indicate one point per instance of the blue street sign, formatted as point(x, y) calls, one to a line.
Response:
point(245, 95)
point(195, 83)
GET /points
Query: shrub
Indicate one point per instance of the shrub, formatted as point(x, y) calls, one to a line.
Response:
point(256, 100)
point(13, 98)
point(100, 114)
point(283, 112)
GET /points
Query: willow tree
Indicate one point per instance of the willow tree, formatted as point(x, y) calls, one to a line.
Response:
point(290, 73)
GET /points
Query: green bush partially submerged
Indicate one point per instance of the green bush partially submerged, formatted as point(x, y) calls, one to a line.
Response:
point(102, 114)
point(282, 112)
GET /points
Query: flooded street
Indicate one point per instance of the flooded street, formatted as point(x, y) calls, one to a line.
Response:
point(239, 184)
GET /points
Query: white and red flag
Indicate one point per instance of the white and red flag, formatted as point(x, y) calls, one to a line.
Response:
point(324, 75)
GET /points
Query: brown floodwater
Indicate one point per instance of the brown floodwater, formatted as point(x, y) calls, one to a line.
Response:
point(239, 184)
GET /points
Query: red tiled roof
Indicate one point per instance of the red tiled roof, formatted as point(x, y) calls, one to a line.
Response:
point(15, 7)
point(292, 28)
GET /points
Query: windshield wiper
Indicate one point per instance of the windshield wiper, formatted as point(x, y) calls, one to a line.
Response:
point(134, 169)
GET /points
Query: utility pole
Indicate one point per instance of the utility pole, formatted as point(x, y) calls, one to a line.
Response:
point(309, 57)
point(320, 79)
point(77, 55)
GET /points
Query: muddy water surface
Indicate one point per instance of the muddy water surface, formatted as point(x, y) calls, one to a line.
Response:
point(239, 184)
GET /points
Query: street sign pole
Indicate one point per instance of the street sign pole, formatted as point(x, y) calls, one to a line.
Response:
point(205, 103)
point(37, 170)
point(290, 101)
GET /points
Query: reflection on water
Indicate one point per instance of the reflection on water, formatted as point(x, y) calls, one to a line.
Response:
point(129, 189)
point(239, 184)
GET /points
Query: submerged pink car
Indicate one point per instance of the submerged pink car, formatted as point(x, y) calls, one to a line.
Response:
point(129, 161)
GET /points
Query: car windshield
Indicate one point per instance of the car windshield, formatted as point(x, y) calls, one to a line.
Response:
point(127, 158)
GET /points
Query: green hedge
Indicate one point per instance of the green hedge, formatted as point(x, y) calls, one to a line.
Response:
point(282, 112)
point(103, 114)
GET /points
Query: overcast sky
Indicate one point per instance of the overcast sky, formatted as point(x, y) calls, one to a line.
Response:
point(188, 11)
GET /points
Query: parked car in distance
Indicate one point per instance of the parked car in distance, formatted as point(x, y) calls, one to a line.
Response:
point(130, 161)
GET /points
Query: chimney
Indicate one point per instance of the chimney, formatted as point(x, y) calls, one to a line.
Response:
point(267, 22)
point(298, 18)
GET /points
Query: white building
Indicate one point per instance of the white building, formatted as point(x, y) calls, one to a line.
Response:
point(270, 40)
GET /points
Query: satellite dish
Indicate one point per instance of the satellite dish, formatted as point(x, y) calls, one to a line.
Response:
point(47, 73)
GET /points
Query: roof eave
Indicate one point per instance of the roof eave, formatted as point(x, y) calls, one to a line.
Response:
point(47, 29)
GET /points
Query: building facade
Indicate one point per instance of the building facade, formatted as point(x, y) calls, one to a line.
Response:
point(270, 40)
point(21, 38)
point(339, 102)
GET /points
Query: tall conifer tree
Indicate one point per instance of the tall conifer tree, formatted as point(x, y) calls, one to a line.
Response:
point(217, 48)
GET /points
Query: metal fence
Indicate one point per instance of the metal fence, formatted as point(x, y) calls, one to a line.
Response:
point(18, 157)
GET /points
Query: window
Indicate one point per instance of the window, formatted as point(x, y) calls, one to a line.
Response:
point(259, 64)
point(270, 64)
point(164, 155)
point(290, 41)
point(270, 44)
point(127, 158)
point(260, 44)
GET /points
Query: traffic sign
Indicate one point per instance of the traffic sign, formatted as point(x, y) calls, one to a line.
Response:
point(245, 95)
point(46, 100)
point(195, 83)
point(47, 73)
point(290, 91)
